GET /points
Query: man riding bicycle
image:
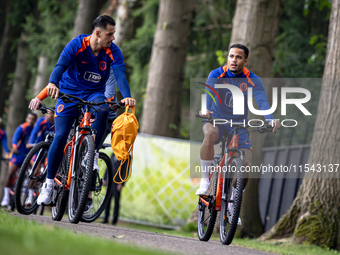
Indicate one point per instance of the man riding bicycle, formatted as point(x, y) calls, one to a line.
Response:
point(235, 74)
point(82, 70)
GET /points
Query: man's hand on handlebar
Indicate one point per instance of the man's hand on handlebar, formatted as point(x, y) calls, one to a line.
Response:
point(129, 101)
point(52, 91)
point(34, 104)
point(208, 115)
point(275, 124)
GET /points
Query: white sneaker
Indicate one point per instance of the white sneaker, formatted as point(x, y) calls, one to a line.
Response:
point(29, 200)
point(88, 206)
point(45, 196)
point(5, 201)
point(95, 164)
point(203, 189)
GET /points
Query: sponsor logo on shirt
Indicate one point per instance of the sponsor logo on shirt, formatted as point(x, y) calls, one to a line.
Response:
point(92, 77)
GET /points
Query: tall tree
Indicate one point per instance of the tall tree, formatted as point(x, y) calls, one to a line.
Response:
point(88, 10)
point(125, 21)
point(18, 106)
point(7, 61)
point(256, 25)
point(314, 214)
point(162, 106)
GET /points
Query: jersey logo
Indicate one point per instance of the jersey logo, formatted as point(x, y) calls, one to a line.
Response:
point(92, 77)
point(243, 86)
point(84, 62)
point(102, 65)
point(228, 100)
point(60, 108)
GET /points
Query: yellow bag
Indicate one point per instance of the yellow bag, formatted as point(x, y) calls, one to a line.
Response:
point(123, 134)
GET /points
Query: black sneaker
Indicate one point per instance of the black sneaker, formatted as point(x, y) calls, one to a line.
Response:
point(88, 206)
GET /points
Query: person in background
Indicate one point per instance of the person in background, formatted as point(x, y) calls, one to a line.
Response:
point(19, 152)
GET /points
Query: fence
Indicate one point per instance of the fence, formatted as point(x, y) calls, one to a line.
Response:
point(277, 194)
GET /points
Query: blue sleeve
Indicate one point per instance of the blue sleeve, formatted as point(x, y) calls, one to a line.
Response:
point(16, 137)
point(61, 66)
point(35, 132)
point(212, 79)
point(117, 56)
point(123, 85)
point(67, 56)
point(4, 142)
point(260, 95)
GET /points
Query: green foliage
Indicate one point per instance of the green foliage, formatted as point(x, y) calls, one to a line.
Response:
point(137, 52)
point(300, 53)
point(49, 30)
point(302, 39)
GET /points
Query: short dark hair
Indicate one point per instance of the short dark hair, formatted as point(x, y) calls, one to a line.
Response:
point(32, 113)
point(241, 47)
point(102, 21)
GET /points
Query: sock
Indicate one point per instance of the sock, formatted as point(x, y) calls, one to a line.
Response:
point(6, 192)
point(205, 164)
point(30, 192)
point(49, 181)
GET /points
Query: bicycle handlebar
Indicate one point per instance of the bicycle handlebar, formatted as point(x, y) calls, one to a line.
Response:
point(67, 99)
point(260, 129)
point(43, 108)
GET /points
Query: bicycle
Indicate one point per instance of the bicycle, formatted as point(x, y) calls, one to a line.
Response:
point(74, 177)
point(224, 167)
point(32, 172)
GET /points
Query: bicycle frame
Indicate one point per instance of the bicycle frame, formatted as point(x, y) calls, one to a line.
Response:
point(82, 129)
point(231, 151)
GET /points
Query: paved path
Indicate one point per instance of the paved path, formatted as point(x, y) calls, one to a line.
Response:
point(177, 245)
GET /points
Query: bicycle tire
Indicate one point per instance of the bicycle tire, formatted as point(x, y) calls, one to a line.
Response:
point(100, 196)
point(60, 194)
point(228, 229)
point(81, 179)
point(205, 230)
point(41, 149)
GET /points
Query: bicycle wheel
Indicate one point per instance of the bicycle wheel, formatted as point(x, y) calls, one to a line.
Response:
point(81, 179)
point(32, 174)
point(207, 214)
point(60, 194)
point(228, 229)
point(101, 188)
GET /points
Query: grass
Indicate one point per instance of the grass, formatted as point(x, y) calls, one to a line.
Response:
point(21, 236)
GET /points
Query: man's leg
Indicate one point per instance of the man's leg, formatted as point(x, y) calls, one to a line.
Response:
point(211, 135)
point(117, 191)
point(8, 185)
point(55, 155)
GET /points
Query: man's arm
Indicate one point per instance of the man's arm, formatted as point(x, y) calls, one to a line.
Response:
point(16, 139)
point(66, 58)
point(4, 143)
point(34, 134)
point(261, 99)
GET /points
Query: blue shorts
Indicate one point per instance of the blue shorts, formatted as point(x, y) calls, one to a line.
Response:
point(71, 109)
point(17, 159)
point(244, 142)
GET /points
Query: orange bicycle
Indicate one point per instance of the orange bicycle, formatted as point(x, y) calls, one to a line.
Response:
point(226, 166)
point(74, 176)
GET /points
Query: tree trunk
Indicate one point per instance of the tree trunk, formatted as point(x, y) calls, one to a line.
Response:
point(256, 25)
point(162, 105)
point(7, 61)
point(41, 80)
point(18, 107)
point(87, 11)
point(314, 214)
point(125, 21)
